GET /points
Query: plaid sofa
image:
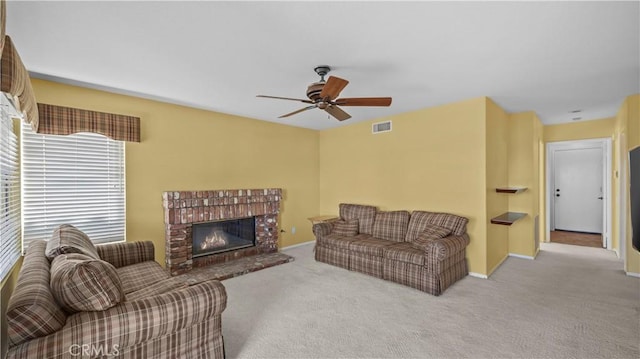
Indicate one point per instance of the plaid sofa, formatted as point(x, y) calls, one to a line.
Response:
point(152, 315)
point(423, 250)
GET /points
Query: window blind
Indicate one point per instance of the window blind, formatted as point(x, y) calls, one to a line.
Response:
point(9, 192)
point(77, 179)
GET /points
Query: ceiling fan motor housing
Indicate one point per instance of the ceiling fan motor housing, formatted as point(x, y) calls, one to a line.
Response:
point(314, 90)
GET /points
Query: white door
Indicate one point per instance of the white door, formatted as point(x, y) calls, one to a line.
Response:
point(577, 190)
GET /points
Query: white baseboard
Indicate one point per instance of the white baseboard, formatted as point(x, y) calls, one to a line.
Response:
point(298, 245)
point(632, 274)
point(617, 253)
point(478, 275)
point(521, 256)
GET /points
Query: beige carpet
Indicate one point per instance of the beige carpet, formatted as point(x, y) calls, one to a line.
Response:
point(571, 302)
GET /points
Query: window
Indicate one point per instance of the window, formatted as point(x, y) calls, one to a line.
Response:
point(9, 192)
point(76, 179)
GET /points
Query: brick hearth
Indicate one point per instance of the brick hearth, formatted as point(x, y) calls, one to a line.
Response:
point(183, 208)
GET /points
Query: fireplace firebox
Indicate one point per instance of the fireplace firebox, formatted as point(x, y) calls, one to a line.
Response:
point(222, 236)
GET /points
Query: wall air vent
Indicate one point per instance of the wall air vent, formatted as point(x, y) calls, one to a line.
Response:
point(381, 127)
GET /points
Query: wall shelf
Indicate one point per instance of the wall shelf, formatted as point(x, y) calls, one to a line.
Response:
point(508, 218)
point(511, 189)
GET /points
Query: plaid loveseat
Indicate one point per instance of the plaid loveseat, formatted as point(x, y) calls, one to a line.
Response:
point(423, 250)
point(144, 313)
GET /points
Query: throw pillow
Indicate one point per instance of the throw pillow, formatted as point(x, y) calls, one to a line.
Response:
point(348, 228)
point(419, 219)
point(69, 239)
point(431, 232)
point(364, 214)
point(80, 283)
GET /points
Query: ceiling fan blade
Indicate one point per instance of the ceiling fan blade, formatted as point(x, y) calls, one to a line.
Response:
point(285, 98)
point(332, 88)
point(337, 112)
point(298, 111)
point(364, 101)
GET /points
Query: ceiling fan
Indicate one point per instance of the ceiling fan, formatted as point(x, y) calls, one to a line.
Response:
point(323, 95)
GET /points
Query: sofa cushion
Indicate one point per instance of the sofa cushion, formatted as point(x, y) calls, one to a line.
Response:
point(336, 241)
point(140, 275)
point(69, 239)
point(420, 219)
point(370, 246)
point(405, 252)
point(391, 225)
point(347, 228)
point(365, 215)
point(83, 284)
point(430, 233)
point(32, 312)
point(157, 288)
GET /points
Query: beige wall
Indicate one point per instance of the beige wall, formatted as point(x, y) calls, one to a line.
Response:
point(541, 186)
point(619, 147)
point(580, 130)
point(525, 136)
point(188, 149)
point(433, 160)
point(497, 174)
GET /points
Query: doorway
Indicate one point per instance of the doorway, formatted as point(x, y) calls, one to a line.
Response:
point(578, 192)
point(577, 197)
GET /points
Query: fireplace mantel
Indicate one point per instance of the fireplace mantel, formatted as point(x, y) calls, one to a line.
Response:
point(184, 208)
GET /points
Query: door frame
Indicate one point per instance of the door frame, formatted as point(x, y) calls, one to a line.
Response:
point(605, 145)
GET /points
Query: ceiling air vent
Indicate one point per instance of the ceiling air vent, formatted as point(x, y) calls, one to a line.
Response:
point(381, 127)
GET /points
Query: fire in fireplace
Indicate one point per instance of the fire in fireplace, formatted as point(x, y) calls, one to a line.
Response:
point(223, 236)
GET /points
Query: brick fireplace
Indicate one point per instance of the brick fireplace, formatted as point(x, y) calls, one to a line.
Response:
point(184, 208)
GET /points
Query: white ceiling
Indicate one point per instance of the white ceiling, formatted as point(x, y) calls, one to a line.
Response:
point(547, 57)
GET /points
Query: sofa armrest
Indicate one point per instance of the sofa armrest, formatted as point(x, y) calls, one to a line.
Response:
point(130, 323)
point(126, 253)
point(322, 229)
point(443, 248)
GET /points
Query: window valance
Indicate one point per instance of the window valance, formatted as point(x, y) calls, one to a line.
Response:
point(60, 120)
point(15, 81)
